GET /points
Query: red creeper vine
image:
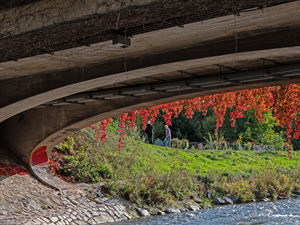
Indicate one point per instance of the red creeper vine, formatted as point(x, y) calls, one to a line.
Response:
point(284, 100)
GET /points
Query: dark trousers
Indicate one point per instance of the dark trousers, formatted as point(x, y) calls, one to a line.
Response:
point(150, 138)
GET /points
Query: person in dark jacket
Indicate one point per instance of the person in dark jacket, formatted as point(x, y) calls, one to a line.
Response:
point(149, 132)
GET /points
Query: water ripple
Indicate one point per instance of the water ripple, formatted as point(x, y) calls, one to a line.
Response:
point(279, 212)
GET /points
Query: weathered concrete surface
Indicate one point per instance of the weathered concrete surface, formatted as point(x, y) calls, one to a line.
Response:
point(46, 13)
point(35, 80)
point(247, 24)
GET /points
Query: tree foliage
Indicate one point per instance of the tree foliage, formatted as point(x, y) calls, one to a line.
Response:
point(283, 101)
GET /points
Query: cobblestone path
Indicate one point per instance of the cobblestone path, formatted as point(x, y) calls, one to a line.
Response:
point(73, 211)
point(25, 200)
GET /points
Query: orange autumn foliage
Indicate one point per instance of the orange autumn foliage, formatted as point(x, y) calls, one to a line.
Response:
point(284, 100)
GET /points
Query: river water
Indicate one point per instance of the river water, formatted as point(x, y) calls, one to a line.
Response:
point(279, 212)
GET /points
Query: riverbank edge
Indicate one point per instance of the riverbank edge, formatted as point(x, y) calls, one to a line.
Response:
point(85, 204)
point(85, 210)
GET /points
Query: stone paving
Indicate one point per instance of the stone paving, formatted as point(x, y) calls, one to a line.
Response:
point(25, 200)
point(69, 207)
point(73, 211)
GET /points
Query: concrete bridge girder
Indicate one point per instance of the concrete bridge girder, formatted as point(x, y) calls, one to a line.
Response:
point(28, 92)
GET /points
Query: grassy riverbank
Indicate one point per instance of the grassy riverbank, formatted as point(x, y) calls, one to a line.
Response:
point(149, 174)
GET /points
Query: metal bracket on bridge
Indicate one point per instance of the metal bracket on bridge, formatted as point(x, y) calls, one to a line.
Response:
point(158, 79)
point(195, 87)
point(174, 23)
point(98, 99)
point(272, 61)
point(226, 67)
point(121, 40)
point(158, 91)
point(125, 95)
point(194, 75)
point(50, 105)
point(232, 81)
point(268, 74)
point(75, 102)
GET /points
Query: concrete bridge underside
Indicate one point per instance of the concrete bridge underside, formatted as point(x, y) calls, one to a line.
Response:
point(256, 48)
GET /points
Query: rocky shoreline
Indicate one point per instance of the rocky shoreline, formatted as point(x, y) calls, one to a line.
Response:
point(85, 204)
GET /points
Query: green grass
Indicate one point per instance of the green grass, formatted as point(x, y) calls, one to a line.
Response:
point(160, 175)
point(200, 162)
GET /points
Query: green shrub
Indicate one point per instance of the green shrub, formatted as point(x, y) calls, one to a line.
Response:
point(104, 170)
point(66, 145)
point(180, 144)
point(248, 146)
